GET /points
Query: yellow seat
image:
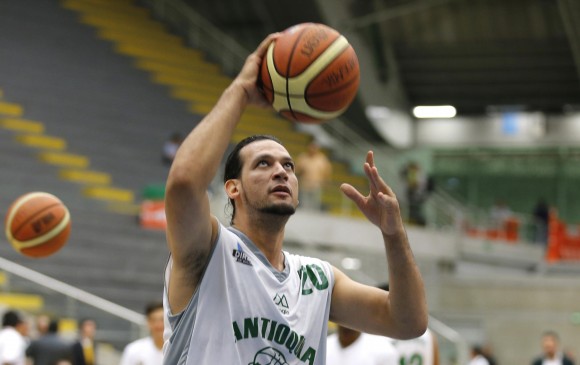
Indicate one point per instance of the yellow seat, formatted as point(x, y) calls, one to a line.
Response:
point(11, 109)
point(109, 193)
point(42, 141)
point(27, 302)
point(22, 125)
point(64, 159)
point(85, 176)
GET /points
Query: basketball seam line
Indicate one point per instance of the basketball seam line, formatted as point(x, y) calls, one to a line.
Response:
point(288, 71)
point(31, 218)
point(57, 230)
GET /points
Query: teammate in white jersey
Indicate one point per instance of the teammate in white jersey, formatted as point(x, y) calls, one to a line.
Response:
point(423, 350)
point(233, 296)
point(349, 347)
point(147, 350)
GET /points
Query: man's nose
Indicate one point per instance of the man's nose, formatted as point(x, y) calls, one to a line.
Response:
point(280, 171)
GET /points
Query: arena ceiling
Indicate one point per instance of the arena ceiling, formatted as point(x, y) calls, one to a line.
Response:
point(477, 55)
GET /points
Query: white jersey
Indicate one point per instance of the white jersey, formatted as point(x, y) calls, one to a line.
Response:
point(12, 347)
point(416, 351)
point(142, 352)
point(245, 312)
point(366, 350)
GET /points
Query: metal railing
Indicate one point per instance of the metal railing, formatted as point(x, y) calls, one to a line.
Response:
point(117, 324)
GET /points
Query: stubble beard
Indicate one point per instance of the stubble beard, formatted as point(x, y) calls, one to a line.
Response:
point(285, 210)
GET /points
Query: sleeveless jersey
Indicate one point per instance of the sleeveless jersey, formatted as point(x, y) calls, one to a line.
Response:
point(244, 312)
point(416, 351)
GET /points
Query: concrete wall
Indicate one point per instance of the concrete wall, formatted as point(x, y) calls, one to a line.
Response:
point(510, 314)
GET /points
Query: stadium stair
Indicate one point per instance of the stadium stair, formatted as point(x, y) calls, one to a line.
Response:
point(75, 168)
point(192, 79)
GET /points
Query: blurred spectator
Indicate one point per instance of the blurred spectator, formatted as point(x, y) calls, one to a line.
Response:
point(42, 323)
point(552, 355)
point(499, 214)
point(13, 339)
point(488, 354)
point(49, 348)
point(541, 219)
point(83, 350)
point(314, 172)
point(349, 347)
point(170, 148)
point(477, 357)
point(148, 350)
point(416, 191)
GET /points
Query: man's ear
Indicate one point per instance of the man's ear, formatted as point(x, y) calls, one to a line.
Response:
point(232, 188)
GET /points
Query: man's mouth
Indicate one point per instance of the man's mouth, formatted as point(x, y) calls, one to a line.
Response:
point(281, 189)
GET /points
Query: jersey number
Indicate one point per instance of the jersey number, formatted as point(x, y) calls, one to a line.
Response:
point(415, 359)
point(312, 277)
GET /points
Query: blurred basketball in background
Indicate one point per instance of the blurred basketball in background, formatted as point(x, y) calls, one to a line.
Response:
point(310, 73)
point(37, 224)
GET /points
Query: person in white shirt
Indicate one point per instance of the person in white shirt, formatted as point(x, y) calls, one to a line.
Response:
point(347, 347)
point(148, 350)
point(12, 339)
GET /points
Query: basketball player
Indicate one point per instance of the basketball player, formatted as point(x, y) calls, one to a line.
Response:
point(232, 295)
point(421, 350)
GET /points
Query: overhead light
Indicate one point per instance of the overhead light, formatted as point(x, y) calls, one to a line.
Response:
point(434, 111)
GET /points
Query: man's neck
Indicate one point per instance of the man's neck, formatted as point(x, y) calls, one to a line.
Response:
point(268, 240)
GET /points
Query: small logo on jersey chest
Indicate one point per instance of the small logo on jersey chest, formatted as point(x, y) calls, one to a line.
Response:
point(282, 303)
point(241, 256)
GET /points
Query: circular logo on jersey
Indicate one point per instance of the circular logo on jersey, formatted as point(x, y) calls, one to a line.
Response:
point(269, 356)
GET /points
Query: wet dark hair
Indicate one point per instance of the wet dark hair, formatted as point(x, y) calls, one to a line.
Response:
point(234, 163)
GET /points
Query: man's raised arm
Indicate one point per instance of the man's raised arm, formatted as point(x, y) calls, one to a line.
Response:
point(191, 229)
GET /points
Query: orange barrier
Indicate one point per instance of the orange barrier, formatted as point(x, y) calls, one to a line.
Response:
point(508, 232)
point(562, 245)
point(152, 214)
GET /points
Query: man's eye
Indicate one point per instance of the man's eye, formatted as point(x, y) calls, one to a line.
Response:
point(289, 165)
point(262, 163)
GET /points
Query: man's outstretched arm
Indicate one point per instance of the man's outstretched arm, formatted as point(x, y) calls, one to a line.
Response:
point(401, 312)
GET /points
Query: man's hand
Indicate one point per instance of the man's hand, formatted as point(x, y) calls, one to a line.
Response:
point(248, 76)
point(381, 206)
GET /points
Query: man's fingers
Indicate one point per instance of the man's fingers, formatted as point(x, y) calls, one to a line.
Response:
point(352, 194)
point(263, 47)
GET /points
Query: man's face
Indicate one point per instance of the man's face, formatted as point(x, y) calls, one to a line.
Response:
point(267, 181)
point(155, 323)
point(88, 329)
point(549, 345)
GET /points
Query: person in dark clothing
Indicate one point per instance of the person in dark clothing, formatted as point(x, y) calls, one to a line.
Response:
point(84, 348)
point(551, 351)
point(49, 348)
point(541, 220)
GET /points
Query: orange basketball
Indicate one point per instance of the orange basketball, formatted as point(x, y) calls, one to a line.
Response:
point(310, 74)
point(37, 224)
